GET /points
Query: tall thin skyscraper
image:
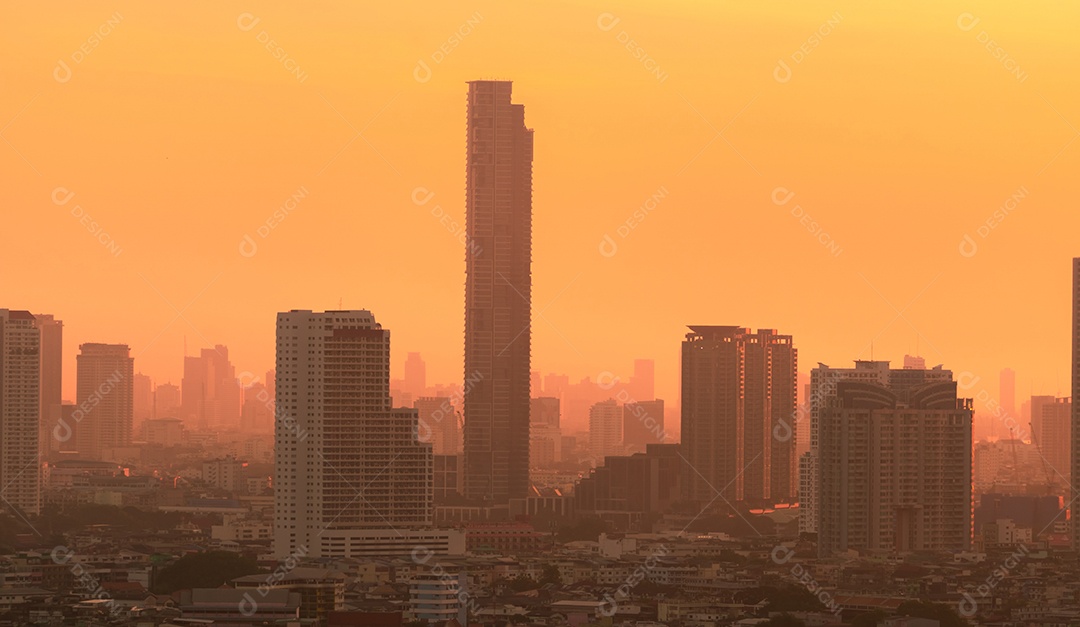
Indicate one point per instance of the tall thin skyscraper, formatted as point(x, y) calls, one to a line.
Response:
point(20, 405)
point(52, 355)
point(1075, 453)
point(1007, 391)
point(738, 394)
point(605, 430)
point(105, 394)
point(415, 375)
point(498, 294)
point(345, 461)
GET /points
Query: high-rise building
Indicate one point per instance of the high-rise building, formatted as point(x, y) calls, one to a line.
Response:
point(415, 375)
point(823, 380)
point(643, 424)
point(1075, 439)
point(167, 400)
point(498, 294)
point(439, 424)
point(143, 400)
point(1054, 436)
point(52, 356)
point(210, 393)
point(738, 394)
point(345, 461)
point(104, 399)
point(894, 467)
point(20, 408)
point(605, 430)
point(545, 434)
point(1007, 391)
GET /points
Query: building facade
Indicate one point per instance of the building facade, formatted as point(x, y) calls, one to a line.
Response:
point(738, 410)
point(105, 396)
point(894, 468)
point(20, 407)
point(344, 459)
point(498, 294)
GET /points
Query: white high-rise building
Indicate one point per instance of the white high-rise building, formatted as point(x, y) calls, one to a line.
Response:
point(346, 462)
point(20, 407)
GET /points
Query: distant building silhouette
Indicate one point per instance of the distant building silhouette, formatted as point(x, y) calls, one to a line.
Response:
point(605, 430)
point(738, 415)
point(211, 395)
point(643, 424)
point(1075, 439)
point(498, 294)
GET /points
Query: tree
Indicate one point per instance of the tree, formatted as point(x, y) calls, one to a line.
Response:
point(869, 619)
point(551, 574)
point(203, 570)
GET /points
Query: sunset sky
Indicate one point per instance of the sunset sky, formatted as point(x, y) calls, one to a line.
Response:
point(899, 129)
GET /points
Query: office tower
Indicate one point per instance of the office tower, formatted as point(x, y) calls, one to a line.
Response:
point(1033, 431)
point(643, 382)
point(438, 424)
point(1007, 391)
point(1053, 438)
point(167, 401)
point(415, 375)
point(912, 362)
point(20, 408)
point(345, 461)
point(498, 294)
point(1075, 439)
point(104, 399)
point(52, 356)
point(738, 394)
point(142, 401)
point(536, 387)
point(643, 424)
point(823, 380)
point(605, 430)
point(210, 393)
point(894, 467)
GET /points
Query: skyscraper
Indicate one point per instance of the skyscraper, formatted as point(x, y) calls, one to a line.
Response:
point(498, 293)
point(20, 406)
point(52, 355)
point(1055, 433)
point(894, 466)
point(642, 382)
point(1007, 391)
point(415, 375)
point(738, 395)
point(104, 398)
point(211, 395)
point(823, 380)
point(345, 461)
point(605, 430)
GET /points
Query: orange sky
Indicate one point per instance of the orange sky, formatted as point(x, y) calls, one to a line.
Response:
point(899, 132)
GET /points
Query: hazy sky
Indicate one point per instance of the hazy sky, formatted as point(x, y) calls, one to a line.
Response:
point(900, 129)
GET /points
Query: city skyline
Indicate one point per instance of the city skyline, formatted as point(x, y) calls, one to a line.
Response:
point(579, 286)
